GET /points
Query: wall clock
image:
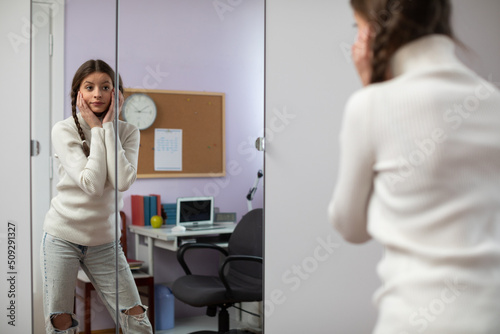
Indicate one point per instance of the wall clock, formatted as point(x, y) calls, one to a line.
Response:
point(140, 110)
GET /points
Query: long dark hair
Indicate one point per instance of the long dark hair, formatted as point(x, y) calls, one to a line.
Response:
point(87, 68)
point(398, 22)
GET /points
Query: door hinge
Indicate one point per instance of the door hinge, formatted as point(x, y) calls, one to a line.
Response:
point(35, 148)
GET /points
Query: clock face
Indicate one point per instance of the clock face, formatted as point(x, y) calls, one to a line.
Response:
point(139, 110)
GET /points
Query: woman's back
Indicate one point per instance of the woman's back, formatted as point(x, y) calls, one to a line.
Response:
point(420, 171)
point(435, 137)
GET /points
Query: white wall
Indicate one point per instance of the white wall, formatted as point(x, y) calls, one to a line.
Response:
point(310, 287)
point(308, 79)
point(15, 167)
point(476, 24)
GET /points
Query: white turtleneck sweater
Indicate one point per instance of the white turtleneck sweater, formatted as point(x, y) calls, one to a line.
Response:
point(83, 210)
point(420, 173)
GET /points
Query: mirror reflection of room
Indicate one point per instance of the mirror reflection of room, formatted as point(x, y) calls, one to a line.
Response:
point(190, 46)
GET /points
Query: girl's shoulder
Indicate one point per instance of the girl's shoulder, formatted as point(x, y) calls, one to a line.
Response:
point(127, 127)
point(64, 125)
point(363, 98)
point(128, 131)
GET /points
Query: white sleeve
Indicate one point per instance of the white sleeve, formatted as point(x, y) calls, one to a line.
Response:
point(128, 152)
point(348, 207)
point(88, 173)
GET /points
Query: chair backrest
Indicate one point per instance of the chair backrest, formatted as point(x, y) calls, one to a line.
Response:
point(247, 240)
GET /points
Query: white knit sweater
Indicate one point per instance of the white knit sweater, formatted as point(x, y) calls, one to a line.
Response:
point(420, 173)
point(83, 210)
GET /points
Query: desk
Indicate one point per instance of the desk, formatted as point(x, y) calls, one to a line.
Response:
point(164, 238)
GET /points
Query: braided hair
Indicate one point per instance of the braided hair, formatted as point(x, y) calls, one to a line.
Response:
point(398, 22)
point(87, 68)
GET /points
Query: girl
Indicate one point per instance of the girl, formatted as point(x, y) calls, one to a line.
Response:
point(420, 171)
point(79, 227)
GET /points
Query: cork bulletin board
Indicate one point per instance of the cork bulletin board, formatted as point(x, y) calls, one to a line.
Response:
point(200, 116)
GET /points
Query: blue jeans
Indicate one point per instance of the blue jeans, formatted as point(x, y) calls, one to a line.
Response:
point(60, 261)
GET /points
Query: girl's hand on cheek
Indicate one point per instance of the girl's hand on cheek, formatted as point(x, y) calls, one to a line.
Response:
point(110, 115)
point(86, 113)
point(120, 105)
point(362, 55)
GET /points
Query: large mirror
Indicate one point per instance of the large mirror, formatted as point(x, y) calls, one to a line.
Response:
point(175, 45)
point(52, 68)
point(288, 36)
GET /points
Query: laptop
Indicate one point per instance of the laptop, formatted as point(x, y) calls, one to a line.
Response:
point(196, 213)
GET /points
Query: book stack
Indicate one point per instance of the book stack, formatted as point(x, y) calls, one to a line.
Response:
point(144, 207)
point(135, 264)
point(171, 211)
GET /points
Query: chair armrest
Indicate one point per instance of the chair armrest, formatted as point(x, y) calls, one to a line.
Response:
point(232, 258)
point(184, 248)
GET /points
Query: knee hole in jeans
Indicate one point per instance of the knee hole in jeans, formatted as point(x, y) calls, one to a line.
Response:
point(136, 310)
point(62, 321)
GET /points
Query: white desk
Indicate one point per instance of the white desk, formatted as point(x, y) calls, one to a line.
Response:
point(164, 238)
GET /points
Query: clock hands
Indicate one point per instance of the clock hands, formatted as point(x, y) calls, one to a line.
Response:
point(143, 110)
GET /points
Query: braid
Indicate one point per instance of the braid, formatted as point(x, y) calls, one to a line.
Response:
point(394, 33)
point(380, 58)
point(396, 23)
point(86, 148)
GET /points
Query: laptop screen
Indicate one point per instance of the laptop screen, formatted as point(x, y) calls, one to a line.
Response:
point(195, 211)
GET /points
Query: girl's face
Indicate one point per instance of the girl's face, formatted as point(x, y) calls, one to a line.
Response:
point(362, 25)
point(361, 49)
point(97, 89)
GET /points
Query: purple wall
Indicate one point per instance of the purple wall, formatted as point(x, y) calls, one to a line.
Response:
point(184, 45)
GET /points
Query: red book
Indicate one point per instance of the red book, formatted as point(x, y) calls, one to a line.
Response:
point(137, 210)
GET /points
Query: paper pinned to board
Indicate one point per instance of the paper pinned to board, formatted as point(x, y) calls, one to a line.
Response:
point(168, 149)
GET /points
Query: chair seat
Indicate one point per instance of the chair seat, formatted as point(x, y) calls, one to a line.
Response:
point(213, 292)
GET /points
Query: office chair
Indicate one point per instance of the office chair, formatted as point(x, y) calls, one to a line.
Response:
point(141, 280)
point(240, 273)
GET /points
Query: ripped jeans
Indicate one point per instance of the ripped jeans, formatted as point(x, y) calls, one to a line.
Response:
point(60, 261)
